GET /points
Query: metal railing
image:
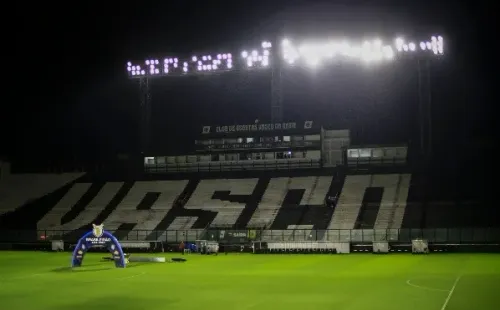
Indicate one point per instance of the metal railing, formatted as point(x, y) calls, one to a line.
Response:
point(436, 235)
point(234, 166)
point(376, 161)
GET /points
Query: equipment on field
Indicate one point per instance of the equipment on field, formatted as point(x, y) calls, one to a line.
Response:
point(419, 246)
point(146, 259)
point(98, 238)
point(57, 245)
point(207, 247)
point(111, 258)
point(178, 260)
point(313, 247)
point(380, 247)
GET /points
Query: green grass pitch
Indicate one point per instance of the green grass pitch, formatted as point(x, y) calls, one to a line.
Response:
point(39, 281)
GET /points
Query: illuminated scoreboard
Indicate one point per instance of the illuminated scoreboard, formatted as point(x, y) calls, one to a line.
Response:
point(257, 58)
point(311, 54)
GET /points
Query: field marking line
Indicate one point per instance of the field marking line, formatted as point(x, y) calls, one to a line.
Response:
point(451, 293)
point(132, 276)
point(425, 287)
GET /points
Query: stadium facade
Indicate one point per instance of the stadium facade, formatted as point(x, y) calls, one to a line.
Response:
point(274, 146)
point(289, 182)
point(297, 182)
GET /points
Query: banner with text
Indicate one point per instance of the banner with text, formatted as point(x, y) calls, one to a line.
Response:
point(255, 127)
point(232, 236)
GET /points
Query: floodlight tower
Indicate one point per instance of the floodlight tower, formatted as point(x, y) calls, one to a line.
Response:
point(375, 51)
point(144, 71)
point(145, 112)
point(286, 53)
point(276, 87)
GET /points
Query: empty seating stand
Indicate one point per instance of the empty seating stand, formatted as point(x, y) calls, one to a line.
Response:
point(52, 220)
point(393, 204)
point(228, 209)
point(271, 202)
point(310, 191)
point(148, 218)
point(290, 208)
point(17, 190)
point(349, 203)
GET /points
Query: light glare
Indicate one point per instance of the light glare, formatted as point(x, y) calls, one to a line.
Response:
point(312, 54)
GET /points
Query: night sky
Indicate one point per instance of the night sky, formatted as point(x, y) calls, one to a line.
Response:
point(73, 100)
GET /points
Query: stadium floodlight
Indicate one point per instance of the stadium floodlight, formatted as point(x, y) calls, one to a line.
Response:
point(313, 54)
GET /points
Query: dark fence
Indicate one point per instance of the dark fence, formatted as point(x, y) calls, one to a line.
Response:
point(433, 235)
point(233, 166)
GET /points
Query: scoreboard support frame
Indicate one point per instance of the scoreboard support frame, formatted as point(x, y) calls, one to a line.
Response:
point(423, 67)
point(145, 112)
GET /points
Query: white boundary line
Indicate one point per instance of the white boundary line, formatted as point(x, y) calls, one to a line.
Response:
point(426, 288)
point(451, 293)
point(132, 276)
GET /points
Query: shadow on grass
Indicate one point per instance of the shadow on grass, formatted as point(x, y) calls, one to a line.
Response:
point(93, 267)
point(118, 302)
point(79, 269)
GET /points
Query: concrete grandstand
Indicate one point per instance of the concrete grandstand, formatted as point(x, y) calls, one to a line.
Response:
point(284, 205)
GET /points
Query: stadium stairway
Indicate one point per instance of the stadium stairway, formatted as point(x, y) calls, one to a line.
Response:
point(391, 215)
point(350, 201)
point(323, 220)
